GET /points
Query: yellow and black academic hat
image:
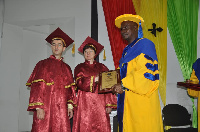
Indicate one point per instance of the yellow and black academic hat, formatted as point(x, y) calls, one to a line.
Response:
point(59, 34)
point(128, 17)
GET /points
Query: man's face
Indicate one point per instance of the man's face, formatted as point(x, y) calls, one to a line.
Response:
point(89, 54)
point(57, 47)
point(128, 30)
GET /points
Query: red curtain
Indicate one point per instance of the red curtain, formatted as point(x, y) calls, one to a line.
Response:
point(112, 9)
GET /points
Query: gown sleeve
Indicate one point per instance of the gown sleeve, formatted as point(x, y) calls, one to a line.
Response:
point(70, 86)
point(110, 99)
point(142, 75)
point(38, 83)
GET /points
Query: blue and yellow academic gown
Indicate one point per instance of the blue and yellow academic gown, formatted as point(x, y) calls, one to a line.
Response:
point(139, 106)
point(195, 76)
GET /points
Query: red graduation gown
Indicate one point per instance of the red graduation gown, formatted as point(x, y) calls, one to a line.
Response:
point(51, 85)
point(90, 115)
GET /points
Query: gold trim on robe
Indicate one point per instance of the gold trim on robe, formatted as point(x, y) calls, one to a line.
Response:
point(70, 85)
point(91, 83)
point(70, 101)
point(78, 78)
point(111, 105)
point(39, 80)
point(37, 103)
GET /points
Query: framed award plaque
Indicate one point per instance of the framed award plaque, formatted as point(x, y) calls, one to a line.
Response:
point(191, 85)
point(107, 80)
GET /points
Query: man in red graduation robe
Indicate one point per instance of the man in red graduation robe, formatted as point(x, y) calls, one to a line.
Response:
point(52, 94)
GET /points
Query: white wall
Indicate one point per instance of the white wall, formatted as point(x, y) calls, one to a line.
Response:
point(174, 75)
point(10, 67)
point(27, 23)
point(33, 48)
point(2, 5)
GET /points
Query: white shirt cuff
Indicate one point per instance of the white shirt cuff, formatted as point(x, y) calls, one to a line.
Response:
point(70, 106)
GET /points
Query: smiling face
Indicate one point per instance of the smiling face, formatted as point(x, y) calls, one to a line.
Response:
point(57, 48)
point(89, 54)
point(129, 31)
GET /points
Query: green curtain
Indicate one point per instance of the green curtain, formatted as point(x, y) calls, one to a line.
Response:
point(182, 23)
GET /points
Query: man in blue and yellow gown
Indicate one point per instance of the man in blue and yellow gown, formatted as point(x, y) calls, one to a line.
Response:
point(138, 100)
point(195, 76)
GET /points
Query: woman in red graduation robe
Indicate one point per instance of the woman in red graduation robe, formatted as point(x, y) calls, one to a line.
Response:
point(92, 112)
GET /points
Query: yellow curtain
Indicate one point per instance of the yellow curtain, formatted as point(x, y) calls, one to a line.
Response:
point(155, 11)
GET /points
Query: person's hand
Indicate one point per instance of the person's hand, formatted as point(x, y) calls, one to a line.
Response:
point(40, 114)
point(108, 110)
point(188, 81)
point(117, 88)
point(70, 113)
point(96, 78)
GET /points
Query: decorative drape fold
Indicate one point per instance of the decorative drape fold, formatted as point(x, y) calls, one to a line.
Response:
point(155, 11)
point(182, 22)
point(112, 9)
point(183, 25)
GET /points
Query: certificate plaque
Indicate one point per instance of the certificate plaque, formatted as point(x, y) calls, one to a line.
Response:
point(107, 80)
point(191, 85)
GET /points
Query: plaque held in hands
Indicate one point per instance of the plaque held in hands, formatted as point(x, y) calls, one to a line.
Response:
point(190, 84)
point(107, 79)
